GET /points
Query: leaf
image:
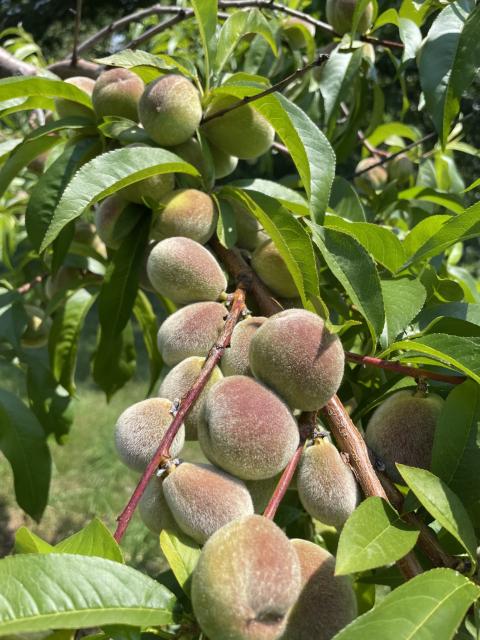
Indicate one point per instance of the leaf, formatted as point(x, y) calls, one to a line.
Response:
point(48, 190)
point(38, 592)
point(455, 229)
point(64, 337)
point(206, 15)
point(344, 200)
point(431, 605)
point(456, 446)
point(105, 175)
point(456, 352)
point(382, 244)
point(22, 441)
point(28, 542)
point(451, 202)
point(148, 323)
point(226, 225)
point(337, 76)
point(22, 155)
point(403, 300)
point(48, 400)
point(449, 60)
point(182, 555)
point(360, 7)
point(236, 26)
point(422, 232)
point(28, 86)
point(355, 270)
point(374, 535)
point(288, 197)
point(290, 238)
point(93, 540)
point(114, 360)
point(443, 504)
point(129, 59)
point(310, 150)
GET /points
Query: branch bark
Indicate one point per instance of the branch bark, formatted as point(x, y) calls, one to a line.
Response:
point(162, 453)
point(11, 66)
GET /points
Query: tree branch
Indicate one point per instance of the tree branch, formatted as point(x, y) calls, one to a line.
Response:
point(346, 434)
point(278, 86)
point(11, 66)
point(162, 453)
point(405, 370)
point(306, 425)
point(76, 32)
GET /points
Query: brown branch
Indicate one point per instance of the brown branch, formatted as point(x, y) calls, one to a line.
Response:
point(76, 32)
point(278, 86)
point(281, 148)
point(12, 66)
point(238, 268)
point(405, 370)
point(25, 288)
point(162, 454)
point(350, 441)
point(158, 28)
point(346, 434)
point(306, 424)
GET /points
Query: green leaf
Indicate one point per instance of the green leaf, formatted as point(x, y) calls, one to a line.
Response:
point(337, 76)
point(381, 243)
point(65, 335)
point(456, 447)
point(344, 200)
point(48, 400)
point(290, 238)
point(93, 540)
point(443, 504)
point(226, 225)
point(456, 229)
point(47, 192)
point(182, 555)
point(20, 87)
point(449, 60)
point(236, 26)
point(374, 535)
point(412, 294)
point(288, 197)
point(422, 232)
point(22, 441)
point(451, 202)
point(28, 542)
point(105, 175)
point(390, 132)
point(360, 7)
point(70, 592)
point(129, 59)
point(310, 150)
point(148, 323)
point(431, 605)
point(355, 270)
point(456, 352)
point(22, 155)
point(114, 360)
point(206, 15)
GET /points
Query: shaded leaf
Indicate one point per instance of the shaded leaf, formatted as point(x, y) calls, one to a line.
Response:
point(22, 441)
point(182, 555)
point(148, 323)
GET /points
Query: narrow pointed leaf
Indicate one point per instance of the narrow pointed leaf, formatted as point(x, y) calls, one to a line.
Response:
point(182, 555)
point(93, 540)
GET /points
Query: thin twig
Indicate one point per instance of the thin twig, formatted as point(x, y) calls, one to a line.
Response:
point(306, 425)
point(25, 288)
point(405, 370)
point(76, 32)
point(163, 26)
point(162, 454)
point(281, 148)
point(278, 86)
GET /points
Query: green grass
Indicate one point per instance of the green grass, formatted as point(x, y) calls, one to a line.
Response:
point(88, 480)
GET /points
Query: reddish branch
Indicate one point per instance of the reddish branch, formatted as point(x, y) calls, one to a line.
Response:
point(404, 369)
point(278, 86)
point(306, 424)
point(162, 453)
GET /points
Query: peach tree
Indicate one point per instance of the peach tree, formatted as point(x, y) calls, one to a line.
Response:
point(279, 199)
